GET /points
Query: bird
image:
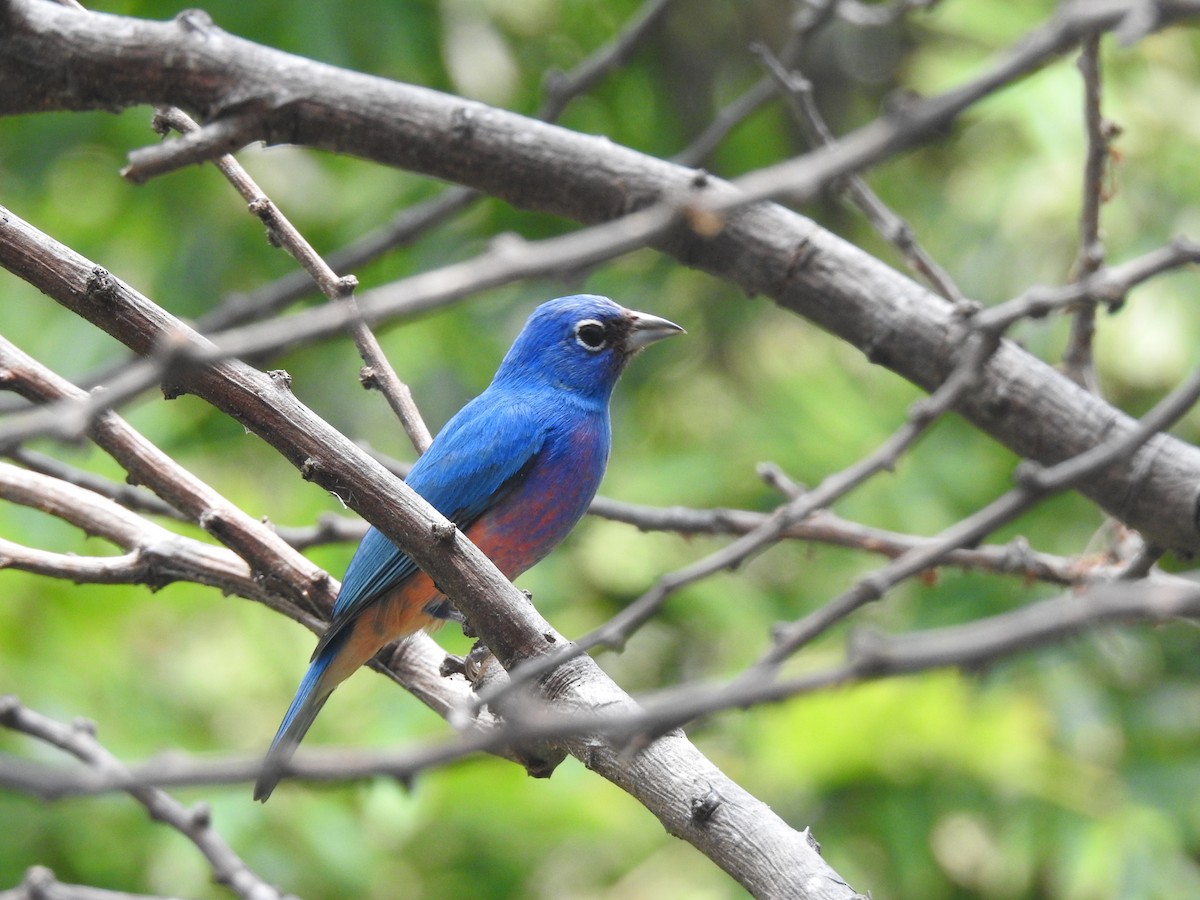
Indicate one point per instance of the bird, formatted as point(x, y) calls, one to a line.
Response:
point(515, 469)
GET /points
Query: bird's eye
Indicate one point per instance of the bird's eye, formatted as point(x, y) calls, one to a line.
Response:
point(590, 335)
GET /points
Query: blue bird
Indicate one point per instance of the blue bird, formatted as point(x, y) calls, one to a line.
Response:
point(515, 469)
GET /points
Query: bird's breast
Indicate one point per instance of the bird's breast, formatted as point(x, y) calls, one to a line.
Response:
point(551, 498)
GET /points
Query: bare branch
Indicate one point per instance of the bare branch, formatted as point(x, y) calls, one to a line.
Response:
point(798, 91)
point(799, 180)
point(970, 646)
point(1077, 359)
point(1033, 484)
point(411, 223)
point(763, 248)
point(130, 496)
point(195, 824)
point(154, 557)
point(824, 527)
point(1109, 285)
point(666, 776)
point(40, 883)
point(871, 657)
point(378, 372)
point(281, 571)
point(563, 87)
point(404, 228)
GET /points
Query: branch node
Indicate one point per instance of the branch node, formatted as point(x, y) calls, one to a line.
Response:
point(39, 881)
point(1018, 555)
point(776, 478)
point(705, 222)
point(201, 815)
point(1028, 474)
point(444, 532)
point(262, 208)
point(318, 585)
point(282, 378)
point(196, 21)
point(866, 652)
point(920, 414)
point(462, 122)
point(1113, 296)
point(900, 103)
point(705, 806)
point(871, 587)
point(213, 521)
point(311, 468)
point(160, 122)
point(967, 310)
point(101, 287)
point(592, 754)
point(345, 286)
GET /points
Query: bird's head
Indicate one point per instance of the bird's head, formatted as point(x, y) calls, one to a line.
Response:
point(580, 344)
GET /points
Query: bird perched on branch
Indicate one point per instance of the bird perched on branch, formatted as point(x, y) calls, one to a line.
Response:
point(515, 469)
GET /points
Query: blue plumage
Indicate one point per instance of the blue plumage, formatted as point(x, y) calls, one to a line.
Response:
point(456, 480)
point(514, 470)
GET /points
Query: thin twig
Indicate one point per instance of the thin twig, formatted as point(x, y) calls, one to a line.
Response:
point(40, 883)
point(154, 556)
point(798, 91)
point(410, 224)
point(560, 88)
point(870, 657)
point(1015, 558)
point(799, 180)
point(195, 824)
point(1034, 483)
point(1109, 285)
point(404, 228)
point(378, 372)
point(278, 566)
point(130, 496)
point(1078, 361)
point(804, 24)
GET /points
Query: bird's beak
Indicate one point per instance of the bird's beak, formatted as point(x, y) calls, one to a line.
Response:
point(645, 329)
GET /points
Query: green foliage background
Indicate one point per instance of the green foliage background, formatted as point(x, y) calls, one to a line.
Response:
point(1072, 773)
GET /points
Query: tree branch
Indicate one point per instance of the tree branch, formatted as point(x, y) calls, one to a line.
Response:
point(668, 776)
point(1025, 404)
point(195, 824)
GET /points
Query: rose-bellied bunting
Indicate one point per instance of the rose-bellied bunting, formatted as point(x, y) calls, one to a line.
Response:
point(514, 469)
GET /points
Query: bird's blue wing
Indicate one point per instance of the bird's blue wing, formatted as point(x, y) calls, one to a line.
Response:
point(475, 460)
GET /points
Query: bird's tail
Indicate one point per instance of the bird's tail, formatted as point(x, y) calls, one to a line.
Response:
point(310, 697)
point(346, 646)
